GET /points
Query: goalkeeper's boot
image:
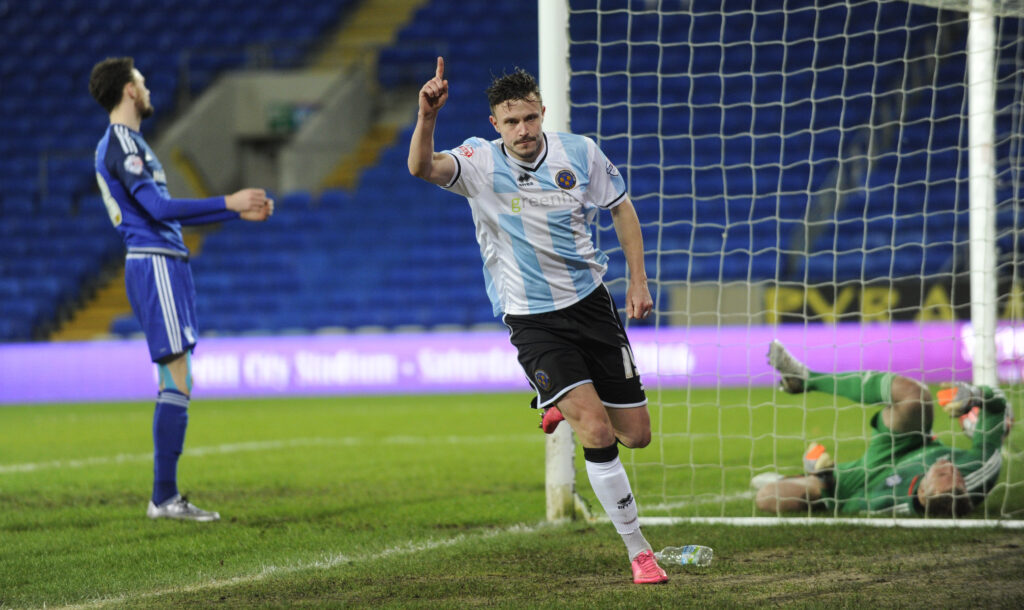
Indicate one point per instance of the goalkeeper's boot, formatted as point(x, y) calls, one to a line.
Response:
point(794, 373)
point(549, 420)
point(646, 570)
point(178, 507)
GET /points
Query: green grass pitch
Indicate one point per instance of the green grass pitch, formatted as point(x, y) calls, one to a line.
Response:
point(438, 501)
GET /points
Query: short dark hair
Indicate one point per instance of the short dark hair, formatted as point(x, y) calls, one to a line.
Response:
point(953, 504)
point(108, 78)
point(520, 85)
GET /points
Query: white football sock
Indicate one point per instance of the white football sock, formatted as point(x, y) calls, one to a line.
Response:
point(611, 485)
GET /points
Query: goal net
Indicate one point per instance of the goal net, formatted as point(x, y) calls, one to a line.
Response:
point(803, 171)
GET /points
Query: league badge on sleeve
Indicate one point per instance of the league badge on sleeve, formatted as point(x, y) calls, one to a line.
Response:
point(611, 169)
point(133, 164)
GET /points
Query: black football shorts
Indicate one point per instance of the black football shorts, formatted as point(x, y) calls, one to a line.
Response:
point(582, 343)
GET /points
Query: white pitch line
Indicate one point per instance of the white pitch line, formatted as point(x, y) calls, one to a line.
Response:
point(324, 563)
point(227, 448)
point(893, 522)
point(718, 499)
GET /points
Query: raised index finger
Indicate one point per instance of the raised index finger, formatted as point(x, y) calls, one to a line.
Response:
point(440, 68)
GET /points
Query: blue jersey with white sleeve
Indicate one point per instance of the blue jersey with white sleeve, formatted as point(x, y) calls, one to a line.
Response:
point(134, 188)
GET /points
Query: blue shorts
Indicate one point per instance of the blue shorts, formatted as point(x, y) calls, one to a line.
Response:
point(163, 298)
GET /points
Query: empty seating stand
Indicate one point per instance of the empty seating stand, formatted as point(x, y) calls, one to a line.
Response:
point(55, 235)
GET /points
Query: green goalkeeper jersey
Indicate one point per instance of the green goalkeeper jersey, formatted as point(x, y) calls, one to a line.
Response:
point(884, 480)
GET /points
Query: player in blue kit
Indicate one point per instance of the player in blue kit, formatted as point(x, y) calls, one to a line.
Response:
point(158, 278)
point(534, 195)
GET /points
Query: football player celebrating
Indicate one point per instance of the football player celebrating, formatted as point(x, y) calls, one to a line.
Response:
point(533, 195)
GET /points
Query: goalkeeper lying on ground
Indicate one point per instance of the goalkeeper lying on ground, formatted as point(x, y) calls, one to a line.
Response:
point(905, 470)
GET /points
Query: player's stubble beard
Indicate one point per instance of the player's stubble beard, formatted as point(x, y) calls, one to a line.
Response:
point(144, 108)
point(527, 155)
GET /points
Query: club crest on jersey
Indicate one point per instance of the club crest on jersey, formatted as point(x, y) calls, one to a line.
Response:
point(565, 179)
point(465, 151)
point(133, 164)
point(543, 379)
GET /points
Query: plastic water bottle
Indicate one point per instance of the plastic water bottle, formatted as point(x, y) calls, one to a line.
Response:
point(689, 555)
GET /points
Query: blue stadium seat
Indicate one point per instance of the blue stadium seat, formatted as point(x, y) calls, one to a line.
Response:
point(125, 326)
point(688, 162)
point(18, 205)
point(55, 123)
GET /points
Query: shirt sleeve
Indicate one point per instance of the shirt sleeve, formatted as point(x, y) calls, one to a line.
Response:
point(132, 172)
point(607, 188)
point(127, 167)
point(211, 217)
point(470, 167)
point(164, 208)
point(991, 425)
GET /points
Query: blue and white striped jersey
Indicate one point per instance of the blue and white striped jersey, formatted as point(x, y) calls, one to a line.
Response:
point(134, 190)
point(533, 221)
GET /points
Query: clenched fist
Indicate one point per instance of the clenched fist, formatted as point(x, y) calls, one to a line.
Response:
point(251, 204)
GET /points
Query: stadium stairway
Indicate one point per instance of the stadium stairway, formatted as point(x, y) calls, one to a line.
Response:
point(50, 128)
point(346, 175)
point(374, 24)
point(96, 317)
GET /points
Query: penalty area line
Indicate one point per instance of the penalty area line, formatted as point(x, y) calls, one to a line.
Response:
point(324, 563)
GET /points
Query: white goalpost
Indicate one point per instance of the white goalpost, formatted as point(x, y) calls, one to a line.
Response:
point(981, 80)
point(553, 36)
point(845, 177)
